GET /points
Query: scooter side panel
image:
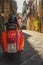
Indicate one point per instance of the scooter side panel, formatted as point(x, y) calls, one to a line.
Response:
point(20, 41)
point(4, 41)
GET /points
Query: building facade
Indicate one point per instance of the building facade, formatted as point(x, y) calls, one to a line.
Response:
point(41, 15)
point(35, 8)
point(8, 7)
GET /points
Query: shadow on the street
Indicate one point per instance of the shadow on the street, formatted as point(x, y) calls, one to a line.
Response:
point(10, 59)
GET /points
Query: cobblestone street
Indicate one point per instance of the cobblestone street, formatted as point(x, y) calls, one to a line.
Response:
point(36, 41)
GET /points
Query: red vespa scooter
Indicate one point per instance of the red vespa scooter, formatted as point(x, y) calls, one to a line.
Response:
point(12, 39)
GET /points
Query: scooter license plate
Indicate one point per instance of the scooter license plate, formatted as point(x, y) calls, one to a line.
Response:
point(11, 48)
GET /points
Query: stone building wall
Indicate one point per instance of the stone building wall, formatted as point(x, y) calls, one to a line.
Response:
point(6, 10)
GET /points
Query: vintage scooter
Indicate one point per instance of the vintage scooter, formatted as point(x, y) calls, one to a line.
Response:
point(12, 39)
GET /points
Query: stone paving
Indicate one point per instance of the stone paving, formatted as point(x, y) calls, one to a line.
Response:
point(36, 41)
